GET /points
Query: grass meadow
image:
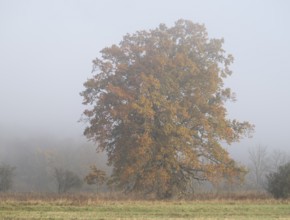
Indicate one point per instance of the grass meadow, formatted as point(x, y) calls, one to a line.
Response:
point(46, 206)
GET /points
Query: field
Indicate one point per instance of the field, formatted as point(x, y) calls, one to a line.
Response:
point(89, 207)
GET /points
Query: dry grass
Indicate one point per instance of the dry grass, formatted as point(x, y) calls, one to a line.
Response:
point(119, 206)
point(91, 198)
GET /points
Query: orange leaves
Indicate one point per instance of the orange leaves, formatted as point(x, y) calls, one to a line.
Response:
point(144, 107)
point(182, 62)
point(149, 83)
point(164, 176)
point(96, 176)
point(149, 92)
point(119, 92)
point(145, 141)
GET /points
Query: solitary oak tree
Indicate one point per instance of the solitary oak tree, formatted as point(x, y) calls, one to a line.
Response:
point(156, 105)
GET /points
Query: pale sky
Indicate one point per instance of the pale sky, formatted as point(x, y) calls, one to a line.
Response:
point(46, 49)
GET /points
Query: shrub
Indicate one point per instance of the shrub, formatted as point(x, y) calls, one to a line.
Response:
point(96, 176)
point(278, 183)
point(66, 180)
point(6, 174)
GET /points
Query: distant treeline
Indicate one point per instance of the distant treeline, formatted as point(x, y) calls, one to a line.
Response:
point(39, 164)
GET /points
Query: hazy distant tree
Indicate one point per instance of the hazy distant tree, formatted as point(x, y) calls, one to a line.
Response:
point(6, 174)
point(276, 159)
point(278, 183)
point(96, 176)
point(259, 165)
point(157, 107)
point(67, 180)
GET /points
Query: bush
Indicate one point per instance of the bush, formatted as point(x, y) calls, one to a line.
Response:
point(6, 174)
point(67, 180)
point(96, 176)
point(278, 183)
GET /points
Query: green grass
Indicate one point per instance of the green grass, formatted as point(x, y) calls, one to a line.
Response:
point(215, 209)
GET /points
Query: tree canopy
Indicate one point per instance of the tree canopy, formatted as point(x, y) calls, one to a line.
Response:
point(156, 105)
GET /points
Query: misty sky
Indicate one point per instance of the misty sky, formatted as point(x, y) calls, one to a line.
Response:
point(46, 49)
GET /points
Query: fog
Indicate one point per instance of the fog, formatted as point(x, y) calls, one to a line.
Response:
point(46, 49)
